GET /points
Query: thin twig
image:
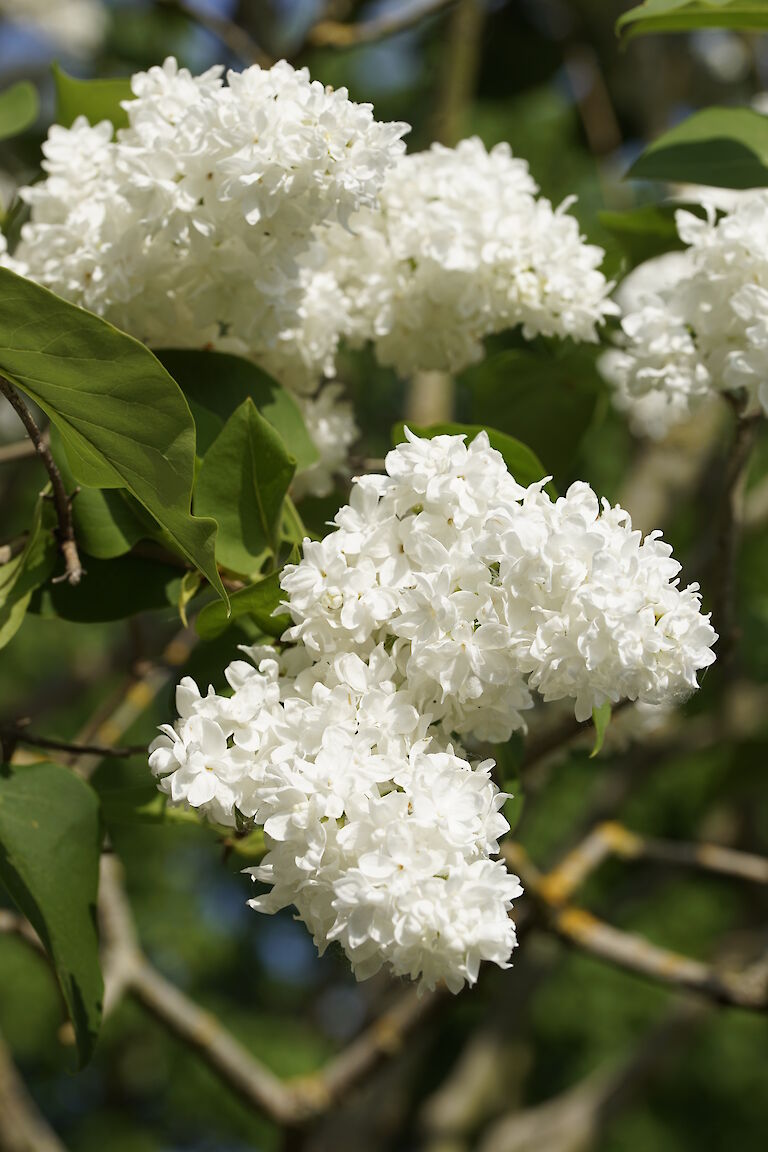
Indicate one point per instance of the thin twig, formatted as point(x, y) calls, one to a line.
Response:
point(336, 34)
point(20, 735)
point(62, 501)
point(13, 924)
point(239, 42)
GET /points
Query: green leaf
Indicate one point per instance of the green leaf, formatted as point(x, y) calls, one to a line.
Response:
point(97, 100)
point(112, 590)
point(105, 524)
point(242, 484)
point(20, 577)
point(218, 383)
point(509, 758)
point(257, 602)
point(523, 464)
point(123, 421)
point(518, 390)
point(19, 106)
point(601, 717)
point(50, 842)
point(723, 147)
point(686, 15)
point(294, 530)
point(646, 231)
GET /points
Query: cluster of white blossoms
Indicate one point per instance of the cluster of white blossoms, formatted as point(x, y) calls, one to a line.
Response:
point(696, 322)
point(272, 217)
point(78, 26)
point(380, 832)
point(187, 227)
point(461, 247)
point(444, 596)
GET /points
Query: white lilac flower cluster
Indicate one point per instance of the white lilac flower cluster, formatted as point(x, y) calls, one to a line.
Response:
point(273, 218)
point(379, 830)
point(445, 595)
point(460, 248)
point(186, 228)
point(483, 590)
point(78, 26)
point(695, 322)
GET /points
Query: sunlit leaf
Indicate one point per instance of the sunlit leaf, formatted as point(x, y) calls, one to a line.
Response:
point(123, 421)
point(723, 147)
point(242, 484)
point(97, 100)
point(257, 602)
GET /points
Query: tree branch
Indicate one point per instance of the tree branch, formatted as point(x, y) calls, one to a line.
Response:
point(239, 42)
point(336, 34)
point(62, 502)
point(551, 893)
point(20, 735)
point(22, 1128)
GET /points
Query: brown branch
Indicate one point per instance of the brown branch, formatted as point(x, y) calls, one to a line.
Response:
point(574, 1120)
point(20, 735)
point(62, 501)
point(239, 42)
point(551, 893)
point(12, 924)
point(336, 34)
point(382, 1040)
point(133, 701)
point(22, 1128)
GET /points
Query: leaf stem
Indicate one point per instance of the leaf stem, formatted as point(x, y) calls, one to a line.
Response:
point(74, 570)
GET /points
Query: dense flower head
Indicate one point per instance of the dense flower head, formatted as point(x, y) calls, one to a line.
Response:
point(460, 248)
point(187, 227)
point(380, 832)
point(696, 322)
point(445, 595)
point(484, 590)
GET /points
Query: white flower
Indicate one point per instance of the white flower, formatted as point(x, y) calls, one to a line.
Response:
point(330, 422)
point(461, 248)
point(187, 229)
point(380, 832)
point(445, 594)
point(696, 322)
point(484, 591)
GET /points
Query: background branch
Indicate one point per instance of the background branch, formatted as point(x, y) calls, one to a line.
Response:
point(62, 501)
point(234, 37)
point(339, 34)
point(22, 1128)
